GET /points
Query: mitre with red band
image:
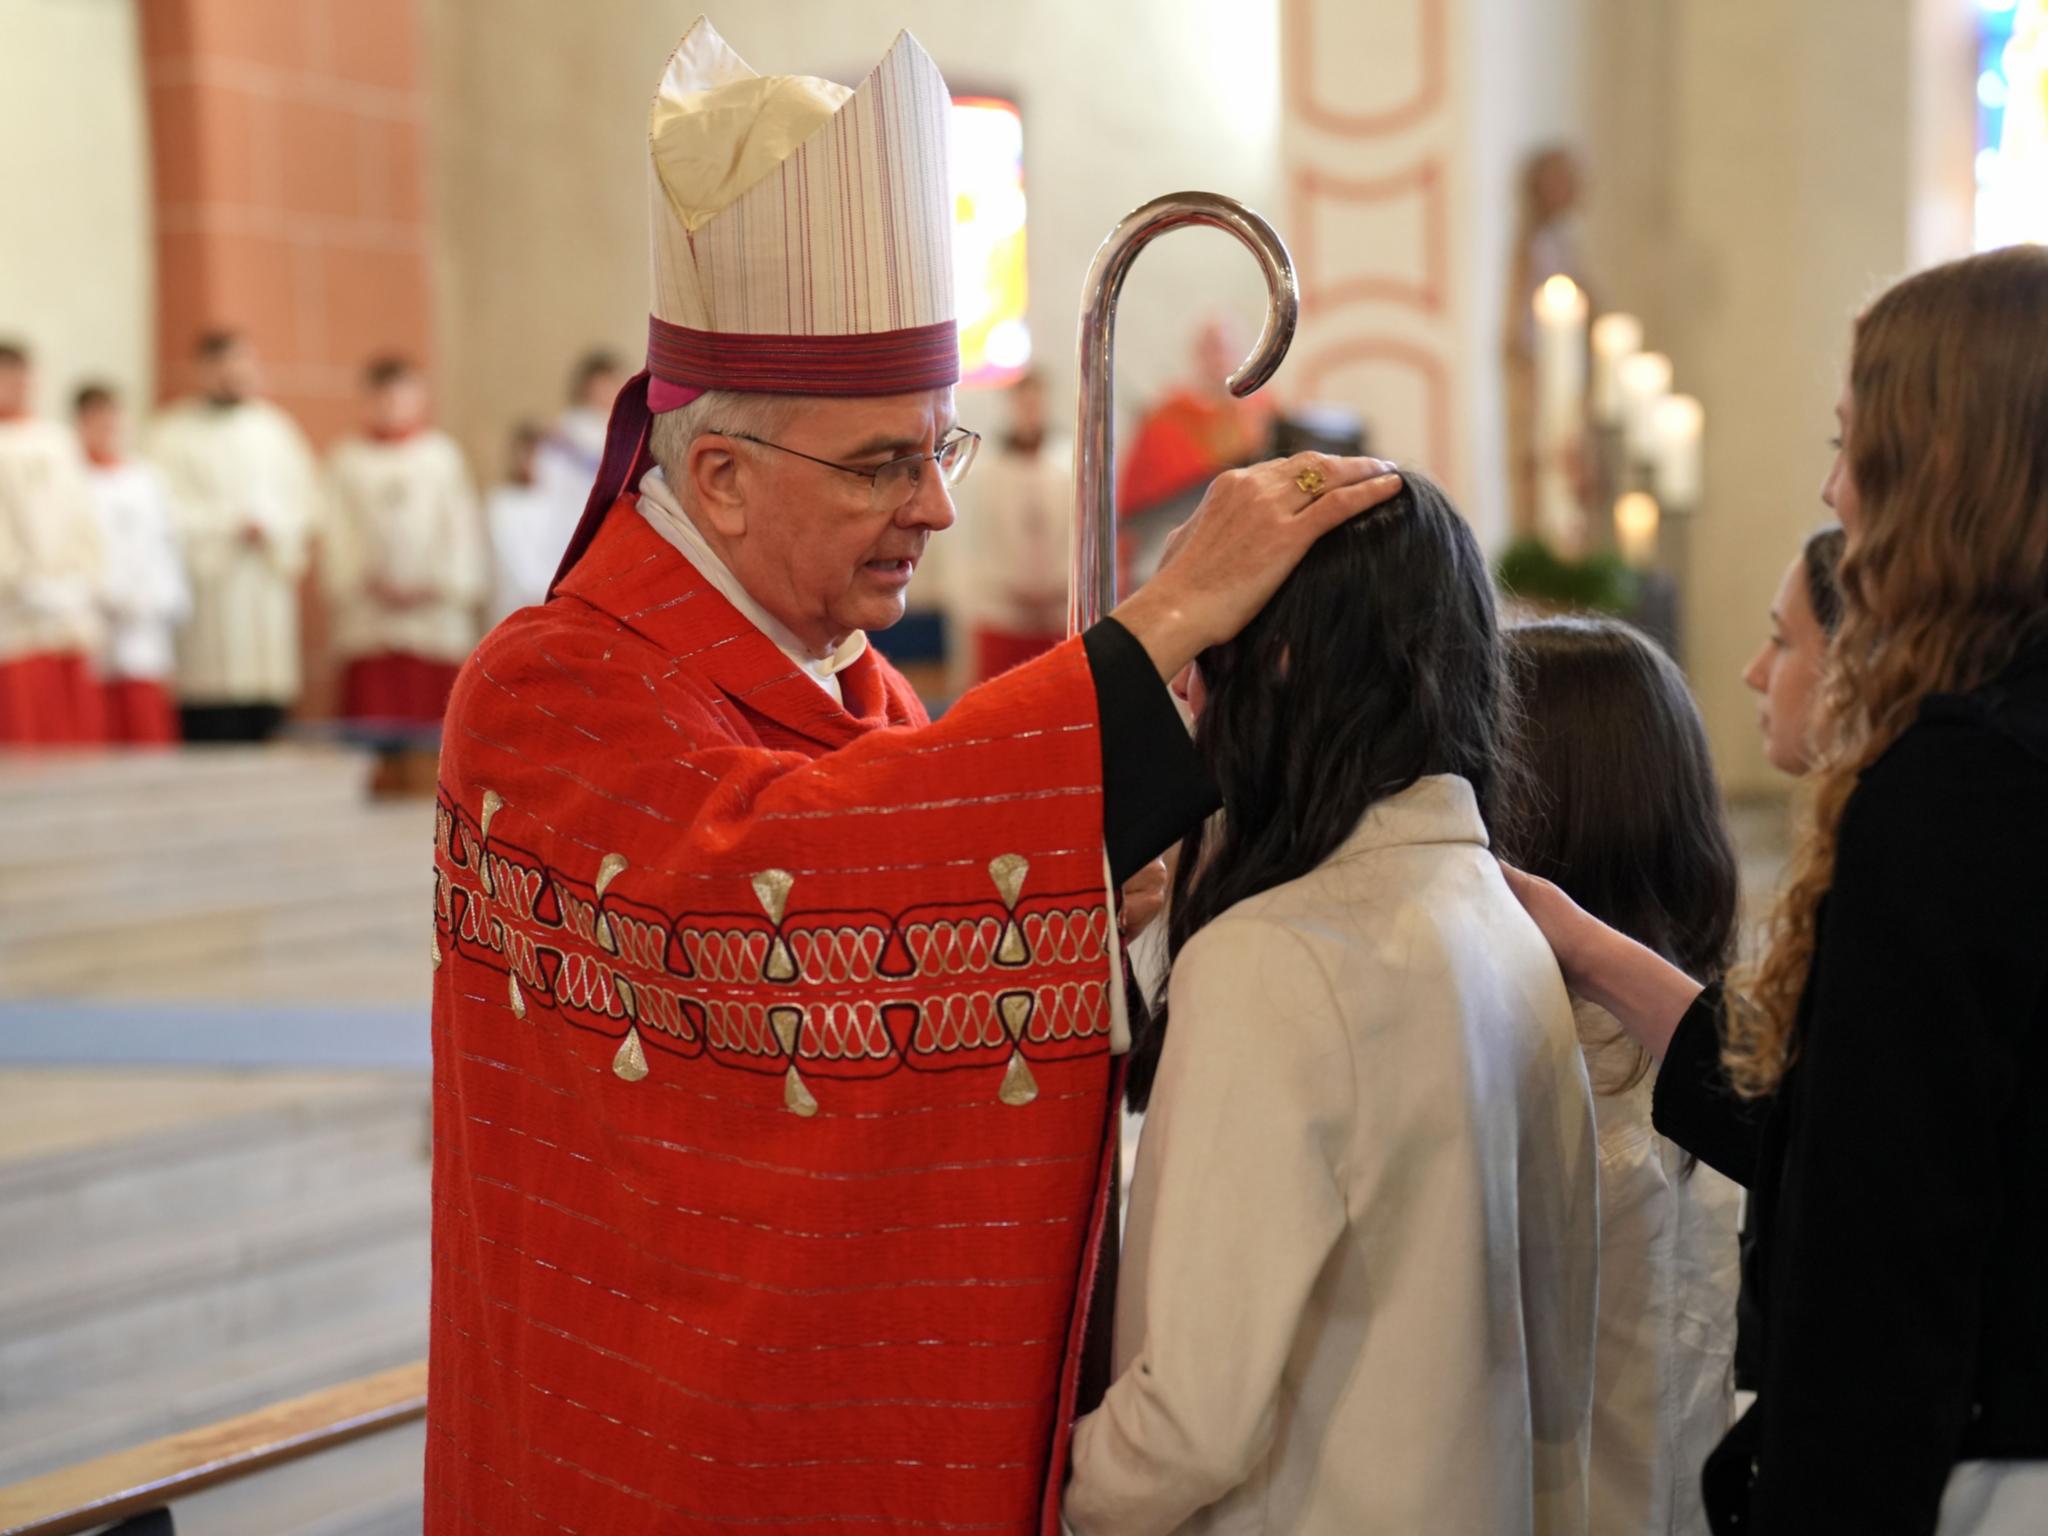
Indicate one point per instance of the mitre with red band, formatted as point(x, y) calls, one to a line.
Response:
point(802, 241)
point(803, 233)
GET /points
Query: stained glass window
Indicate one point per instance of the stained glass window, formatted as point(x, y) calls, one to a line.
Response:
point(2012, 122)
point(988, 239)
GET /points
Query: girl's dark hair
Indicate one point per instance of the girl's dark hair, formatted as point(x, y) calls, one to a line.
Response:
point(1377, 662)
point(1622, 809)
point(1823, 561)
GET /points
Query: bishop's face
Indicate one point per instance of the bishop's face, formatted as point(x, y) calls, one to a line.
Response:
point(811, 543)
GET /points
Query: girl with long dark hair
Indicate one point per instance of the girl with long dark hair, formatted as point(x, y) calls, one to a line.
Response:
point(1624, 813)
point(1358, 1286)
point(1876, 1084)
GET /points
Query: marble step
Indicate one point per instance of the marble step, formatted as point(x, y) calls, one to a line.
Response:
point(71, 792)
point(369, 1487)
point(50, 776)
point(127, 1309)
point(168, 827)
point(115, 1415)
point(78, 959)
point(217, 885)
point(311, 1149)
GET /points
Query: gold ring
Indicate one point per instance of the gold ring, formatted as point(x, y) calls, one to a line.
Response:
point(1310, 480)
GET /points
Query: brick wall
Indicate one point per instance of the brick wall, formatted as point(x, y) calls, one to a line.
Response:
point(288, 155)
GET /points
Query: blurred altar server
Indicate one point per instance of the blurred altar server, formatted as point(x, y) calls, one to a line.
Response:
point(144, 597)
point(51, 569)
point(1012, 587)
point(517, 515)
point(244, 495)
point(402, 556)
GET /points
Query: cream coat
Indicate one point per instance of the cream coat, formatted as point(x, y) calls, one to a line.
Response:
point(1664, 1352)
point(231, 469)
point(1358, 1295)
point(403, 515)
point(52, 563)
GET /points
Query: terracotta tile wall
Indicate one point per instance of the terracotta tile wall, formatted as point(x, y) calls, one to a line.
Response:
point(288, 153)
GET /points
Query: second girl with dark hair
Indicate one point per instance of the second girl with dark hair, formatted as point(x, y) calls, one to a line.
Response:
point(1359, 1282)
point(1624, 813)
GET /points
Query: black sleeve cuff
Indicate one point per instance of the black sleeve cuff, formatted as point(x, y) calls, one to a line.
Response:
point(1154, 790)
point(1694, 1104)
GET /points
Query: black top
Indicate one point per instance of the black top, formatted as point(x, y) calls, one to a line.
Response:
point(1154, 790)
point(1900, 1174)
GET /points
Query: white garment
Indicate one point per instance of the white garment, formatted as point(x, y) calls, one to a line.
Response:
point(665, 515)
point(402, 515)
point(1016, 526)
point(1358, 1288)
point(1664, 1350)
point(145, 596)
point(527, 543)
point(51, 561)
point(1995, 1498)
point(565, 468)
point(232, 470)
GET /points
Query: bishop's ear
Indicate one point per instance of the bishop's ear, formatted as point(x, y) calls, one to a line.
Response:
point(718, 471)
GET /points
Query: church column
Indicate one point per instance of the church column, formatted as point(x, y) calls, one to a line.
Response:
point(1405, 122)
point(288, 153)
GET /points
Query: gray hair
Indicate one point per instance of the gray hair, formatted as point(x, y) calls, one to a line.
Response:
point(716, 410)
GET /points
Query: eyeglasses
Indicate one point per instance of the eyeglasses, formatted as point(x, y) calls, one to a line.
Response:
point(892, 484)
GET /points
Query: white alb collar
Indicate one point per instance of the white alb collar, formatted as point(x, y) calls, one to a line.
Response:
point(665, 515)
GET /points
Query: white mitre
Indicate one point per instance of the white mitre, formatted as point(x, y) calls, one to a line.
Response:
point(802, 232)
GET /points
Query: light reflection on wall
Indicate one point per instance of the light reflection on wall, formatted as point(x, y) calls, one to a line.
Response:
point(988, 239)
point(2012, 122)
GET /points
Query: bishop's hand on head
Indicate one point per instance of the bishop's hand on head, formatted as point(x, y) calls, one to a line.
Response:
point(1250, 531)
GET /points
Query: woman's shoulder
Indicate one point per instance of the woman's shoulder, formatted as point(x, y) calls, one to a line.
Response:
point(1954, 815)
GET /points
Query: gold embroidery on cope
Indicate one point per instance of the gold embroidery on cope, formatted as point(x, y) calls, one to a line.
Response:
point(796, 1097)
point(1020, 1087)
point(613, 866)
point(493, 803)
point(1008, 870)
point(771, 889)
point(631, 1061)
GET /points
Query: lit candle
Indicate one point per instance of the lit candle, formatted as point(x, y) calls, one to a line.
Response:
point(1644, 378)
point(1678, 422)
point(1635, 529)
point(1561, 359)
point(1615, 337)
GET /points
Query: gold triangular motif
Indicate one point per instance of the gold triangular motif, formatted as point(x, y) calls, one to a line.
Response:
point(1019, 1086)
point(493, 803)
point(781, 964)
point(796, 1098)
point(1012, 950)
point(437, 950)
point(1016, 1010)
point(605, 941)
point(518, 997)
point(771, 889)
point(1008, 871)
point(631, 1061)
point(609, 869)
point(784, 1022)
point(628, 999)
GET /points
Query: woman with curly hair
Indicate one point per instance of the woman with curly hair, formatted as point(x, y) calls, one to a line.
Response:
point(1873, 1082)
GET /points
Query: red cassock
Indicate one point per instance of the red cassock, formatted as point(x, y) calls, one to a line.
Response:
point(818, 1268)
point(140, 712)
point(51, 699)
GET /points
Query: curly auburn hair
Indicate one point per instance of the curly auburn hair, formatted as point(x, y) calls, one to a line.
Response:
point(1945, 578)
